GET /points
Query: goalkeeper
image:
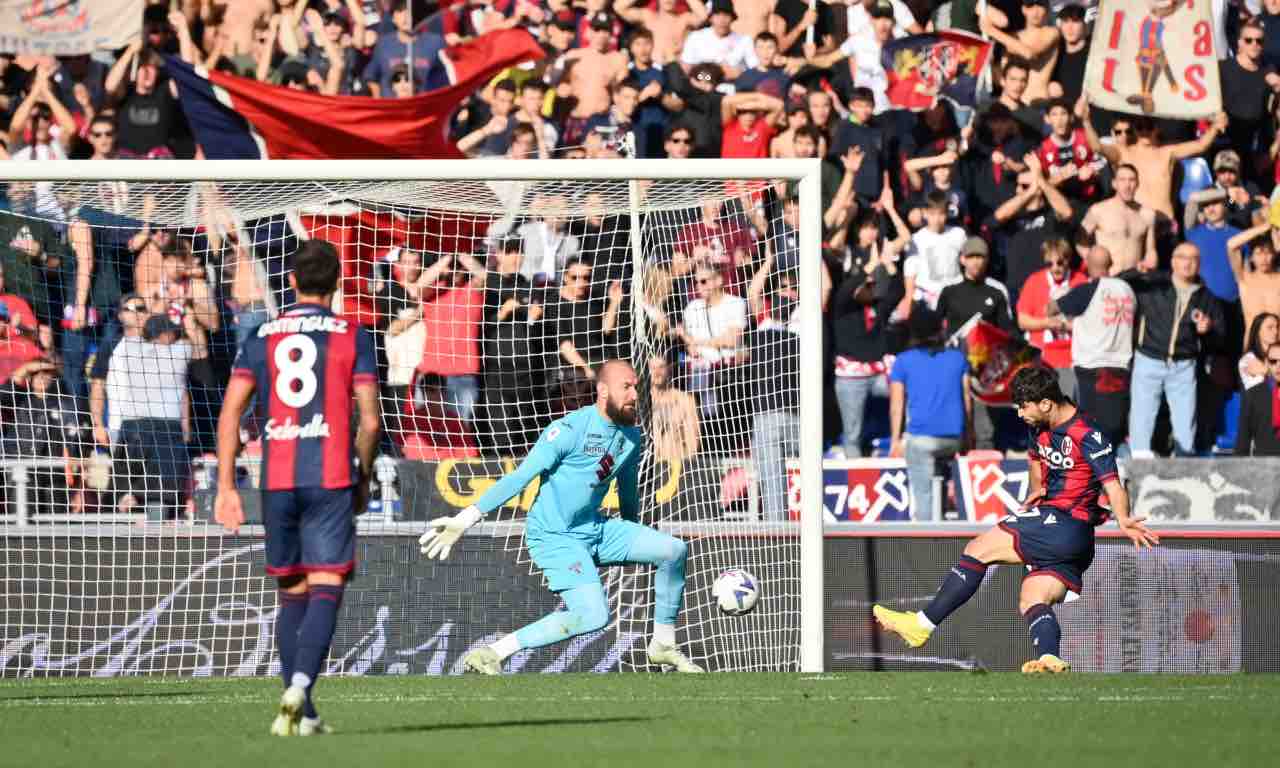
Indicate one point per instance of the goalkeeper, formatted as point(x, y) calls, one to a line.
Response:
point(576, 458)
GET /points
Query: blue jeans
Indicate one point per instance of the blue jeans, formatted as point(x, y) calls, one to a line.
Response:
point(922, 453)
point(1176, 381)
point(247, 320)
point(851, 395)
point(775, 435)
point(463, 391)
point(76, 348)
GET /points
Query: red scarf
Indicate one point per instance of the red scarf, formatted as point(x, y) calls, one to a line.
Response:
point(1275, 407)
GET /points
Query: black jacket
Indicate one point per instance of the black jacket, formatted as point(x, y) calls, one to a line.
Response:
point(1163, 336)
point(960, 301)
point(1257, 436)
point(774, 370)
point(702, 112)
point(857, 334)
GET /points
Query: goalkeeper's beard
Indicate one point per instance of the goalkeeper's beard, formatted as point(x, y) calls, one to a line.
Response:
point(621, 414)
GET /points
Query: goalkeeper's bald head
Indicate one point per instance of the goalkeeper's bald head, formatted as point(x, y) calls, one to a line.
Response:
point(616, 391)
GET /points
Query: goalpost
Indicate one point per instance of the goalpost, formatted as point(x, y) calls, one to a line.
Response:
point(109, 568)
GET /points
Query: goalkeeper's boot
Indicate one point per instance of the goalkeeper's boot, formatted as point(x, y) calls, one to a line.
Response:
point(670, 656)
point(904, 624)
point(313, 726)
point(1048, 664)
point(291, 704)
point(483, 660)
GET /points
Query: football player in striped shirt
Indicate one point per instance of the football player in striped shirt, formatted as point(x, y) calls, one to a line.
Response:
point(1071, 466)
point(310, 369)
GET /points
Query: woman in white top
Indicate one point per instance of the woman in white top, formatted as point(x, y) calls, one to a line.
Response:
point(1263, 332)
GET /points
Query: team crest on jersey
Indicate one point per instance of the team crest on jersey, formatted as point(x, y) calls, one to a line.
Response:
point(1066, 445)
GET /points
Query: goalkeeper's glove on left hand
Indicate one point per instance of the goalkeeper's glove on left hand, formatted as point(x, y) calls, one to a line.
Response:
point(443, 532)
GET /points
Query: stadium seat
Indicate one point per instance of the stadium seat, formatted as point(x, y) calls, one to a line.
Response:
point(1196, 176)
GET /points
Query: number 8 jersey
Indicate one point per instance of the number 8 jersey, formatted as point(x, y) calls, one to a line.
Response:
point(305, 366)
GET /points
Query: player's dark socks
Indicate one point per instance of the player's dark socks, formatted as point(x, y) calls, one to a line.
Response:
point(960, 585)
point(1046, 635)
point(293, 606)
point(316, 635)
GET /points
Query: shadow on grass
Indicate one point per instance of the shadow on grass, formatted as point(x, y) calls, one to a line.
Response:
point(534, 723)
point(108, 696)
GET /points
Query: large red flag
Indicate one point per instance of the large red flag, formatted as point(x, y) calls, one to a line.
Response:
point(238, 118)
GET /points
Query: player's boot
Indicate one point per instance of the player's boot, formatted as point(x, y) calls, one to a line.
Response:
point(291, 704)
point(904, 624)
point(670, 656)
point(483, 660)
point(313, 726)
point(1048, 664)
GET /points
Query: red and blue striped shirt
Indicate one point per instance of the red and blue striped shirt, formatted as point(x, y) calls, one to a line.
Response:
point(1076, 459)
point(305, 365)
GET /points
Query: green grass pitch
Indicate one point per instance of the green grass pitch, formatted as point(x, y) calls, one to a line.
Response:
point(654, 721)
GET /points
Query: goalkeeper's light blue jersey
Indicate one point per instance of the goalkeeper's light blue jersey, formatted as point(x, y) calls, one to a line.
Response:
point(576, 458)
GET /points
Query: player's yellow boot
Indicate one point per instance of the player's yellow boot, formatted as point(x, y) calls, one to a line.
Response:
point(483, 660)
point(291, 704)
point(904, 624)
point(665, 655)
point(1048, 664)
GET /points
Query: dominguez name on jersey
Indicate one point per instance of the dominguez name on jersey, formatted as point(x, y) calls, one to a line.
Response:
point(303, 324)
point(287, 430)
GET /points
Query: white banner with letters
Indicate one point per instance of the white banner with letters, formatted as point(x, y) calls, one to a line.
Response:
point(1154, 57)
point(67, 27)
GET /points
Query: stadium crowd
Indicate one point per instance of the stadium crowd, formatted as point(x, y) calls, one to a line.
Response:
point(1137, 254)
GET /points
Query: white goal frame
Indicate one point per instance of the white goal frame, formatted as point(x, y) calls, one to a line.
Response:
point(805, 172)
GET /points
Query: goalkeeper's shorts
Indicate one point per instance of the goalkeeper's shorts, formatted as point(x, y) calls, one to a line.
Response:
point(571, 558)
point(309, 529)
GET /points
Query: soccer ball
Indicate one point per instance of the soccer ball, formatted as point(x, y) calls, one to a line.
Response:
point(736, 591)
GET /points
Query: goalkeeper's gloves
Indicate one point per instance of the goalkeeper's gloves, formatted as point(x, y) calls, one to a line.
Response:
point(443, 532)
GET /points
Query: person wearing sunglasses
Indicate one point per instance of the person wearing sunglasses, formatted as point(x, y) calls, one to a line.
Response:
point(423, 47)
point(1259, 433)
point(1247, 87)
point(1153, 160)
point(679, 142)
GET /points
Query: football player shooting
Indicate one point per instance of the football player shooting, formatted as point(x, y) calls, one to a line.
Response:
point(305, 366)
point(576, 458)
point(1071, 464)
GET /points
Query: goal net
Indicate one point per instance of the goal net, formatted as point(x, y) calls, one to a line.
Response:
point(492, 299)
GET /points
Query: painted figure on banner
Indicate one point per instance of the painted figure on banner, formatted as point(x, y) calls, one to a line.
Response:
point(1155, 57)
point(1152, 61)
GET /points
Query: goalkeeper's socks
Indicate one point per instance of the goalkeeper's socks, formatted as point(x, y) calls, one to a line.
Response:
point(1042, 624)
point(506, 646)
point(664, 634)
point(293, 606)
point(960, 585)
point(315, 637)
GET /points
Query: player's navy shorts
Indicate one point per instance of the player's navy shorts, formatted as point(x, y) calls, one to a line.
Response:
point(309, 529)
point(1052, 542)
